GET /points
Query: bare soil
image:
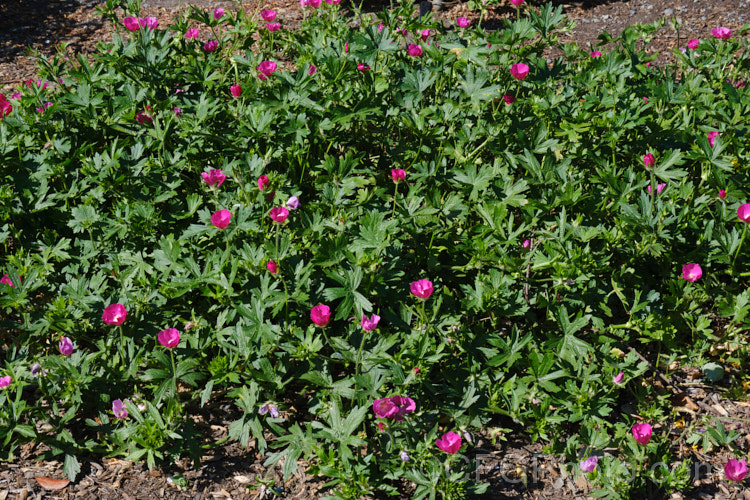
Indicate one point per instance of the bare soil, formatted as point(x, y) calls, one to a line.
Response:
point(516, 468)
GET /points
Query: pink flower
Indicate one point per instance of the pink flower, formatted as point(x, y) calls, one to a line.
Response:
point(415, 50)
point(517, 3)
point(449, 443)
point(312, 70)
point(148, 22)
point(526, 243)
point(119, 410)
point(743, 212)
point(380, 27)
point(642, 433)
point(177, 111)
point(398, 174)
point(192, 33)
point(279, 214)
point(722, 193)
point(210, 46)
point(44, 106)
point(143, 116)
point(346, 47)
point(370, 324)
point(659, 188)
point(617, 379)
point(693, 44)
point(363, 67)
point(722, 32)
point(5, 280)
point(65, 346)
point(221, 218)
point(218, 13)
point(404, 456)
point(263, 182)
point(236, 90)
point(293, 203)
point(384, 408)
point(425, 35)
point(463, 22)
point(712, 137)
point(5, 106)
point(214, 176)
point(421, 289)
point(692, 272)
point(114, 314)
point(333, 2)
point(272, 267)
point(645, 99)
point(169, 338)
point(320, 314)
point(266, 68)
point(131, 23)
point(273, 26)
point(648, 160)
point(5, 381)
point(268, 15)
point(735, 470)
point(596, 53)
point(404, 405)
point(509, 99)
point(589, 464)
point(519, 71)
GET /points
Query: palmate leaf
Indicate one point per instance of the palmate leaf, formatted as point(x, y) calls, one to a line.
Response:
point(569, 347)
point(473, 85)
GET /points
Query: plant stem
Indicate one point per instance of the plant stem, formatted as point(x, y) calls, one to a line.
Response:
point(174, 373)
point(742, 240)
point(395, 193)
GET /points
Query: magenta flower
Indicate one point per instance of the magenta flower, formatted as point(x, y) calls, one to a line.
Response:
point(266, 68)
point(279, 214)
point(693, 44)
point(398, 174)
point(648, 160)
point(421, 289)
point(385, 408)
point(346, 47)
point(380, 27)
point(221, 218)
point(722, 32)
point(5, 106)
point(210, 46)
point(177, 111)
point(404, 405)
point(5, 381)
point(596, 53)
point(269, 408)
point(131, 23)
point(425, 35)
point(119, 410)
point(273, 26)
point(65, 346)
point(114, 314)
point(236, 90)
point(364, 68)
point(272, 267)
point(735, 470)
point(692, 272)
point(463, 22)
point(142, 116)
point(526, 243)
point(268, 15)
point(722, 193)
point(214, 176)
point(43, 107)
point(5, 280)
point(293, 203)
point(218, 13)
point(369, 324)
point(642, 433)
point(517, 3)
point(263, 182)
point(320, 314)
point(169, 338)
point(519, 71)
point(415, 50)
point(148, 22)
point(509, 99)
point(659, 188)
point(449, 443)
point(312, 70)
point(617, 379)
point(589, 464)
point(743, 212)
point(192, 33)
point(712, 137)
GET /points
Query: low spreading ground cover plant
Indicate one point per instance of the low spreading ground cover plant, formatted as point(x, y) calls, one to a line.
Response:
point(376, 237)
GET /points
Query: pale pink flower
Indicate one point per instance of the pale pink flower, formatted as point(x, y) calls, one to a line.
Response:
point(404, 456)
point(617, 379)
point(236, 90)
point(589, 464)
point(369, 324)
point(5, 381)
point(692, 272)
point(693, 44)
point(273, 26)
point(221, 218)
point(320, 314)
point(263, 182)
point(712, 137)
point(380, 27)
point(463, 22)
point(214, 176)
point(722, 32)
point(118, 409)
point(421, 289)
point(293, 203)
point(114, 314)
point(218, 13)
point(279, 214)
point(272, 267)
point(449, 443)
point(415, 50)
point(268, 15)
point(519, 71)
point(210, 46)
point(65, 346)
point(743, 212)
point(398, 174)
point(642, 433)
point(192, 33)
point(649, 160)
point(659, 188)
point(526, 243)
point(735, 470)
point(148, 22)
point(169, 338)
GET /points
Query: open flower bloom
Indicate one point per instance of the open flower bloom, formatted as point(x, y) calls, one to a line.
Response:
point(5, 381)
point(119, 410)
point(394, 407)
point(5, 280)
point(596, 53)
point(5, 106)
point(692, 272)
point(273, 26)
point(114, 314)
point(659, 188)
point(293, 203)
point(320, 314)
point(743, 212)
point(415, 50)
point(735, 470)
point(218, 13)
point(463, 22)
point(210, 46)
point(589, 464)
point(519, 71)
point(192, 33)
point(268, 15)
point(214, 176)
point(269, 408)
point(421, 289)
point(722, 32)
point(693, 44)
point(65, 346)
point(642, 433)
point(517, 3)
point(398, 174)
point(266, 68)
point(369, 324)
point(449, 443)
point(221, 218)
point(131, 23)
point(279, 214)
point(712, 138)
point(169, 338)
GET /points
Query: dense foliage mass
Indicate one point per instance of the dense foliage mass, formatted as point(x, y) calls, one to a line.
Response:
point(374, 236)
